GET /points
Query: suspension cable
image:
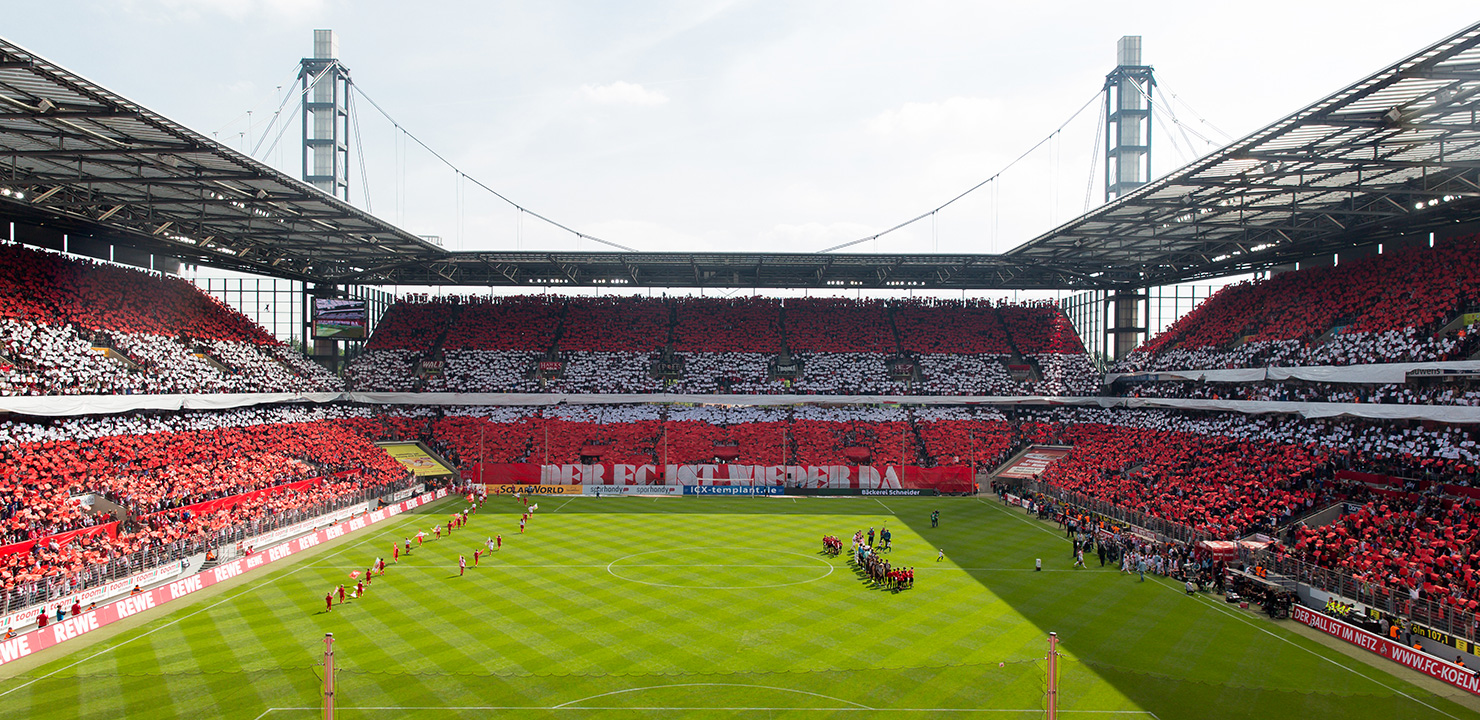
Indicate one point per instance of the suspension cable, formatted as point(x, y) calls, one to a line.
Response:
point(579, 235)
point(973, 188)
point(354, 116)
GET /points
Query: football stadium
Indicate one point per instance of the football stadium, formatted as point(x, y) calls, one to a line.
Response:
point(307, 416)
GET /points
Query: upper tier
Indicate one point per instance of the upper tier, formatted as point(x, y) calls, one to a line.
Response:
point(1408, 305)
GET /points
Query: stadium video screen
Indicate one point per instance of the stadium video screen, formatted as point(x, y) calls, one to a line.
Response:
point(339, 318)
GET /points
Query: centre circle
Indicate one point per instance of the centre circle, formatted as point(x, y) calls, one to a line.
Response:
point(720, 568)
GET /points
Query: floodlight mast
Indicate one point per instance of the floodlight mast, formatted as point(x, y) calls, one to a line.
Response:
point(325, 85)
point(1128, 106)
point(1129, 91)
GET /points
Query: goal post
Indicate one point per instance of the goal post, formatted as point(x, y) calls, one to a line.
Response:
point(1053, 676)
point(328, 676)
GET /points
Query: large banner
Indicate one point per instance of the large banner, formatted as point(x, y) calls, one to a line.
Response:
point(631, 490)
point(498, 488)
point(24, 645)
point(876, 491)
point(1423, 662)
point(732, 489)
point(415, 459)
point(209, 506)
point(837, 477)
point(110, 529)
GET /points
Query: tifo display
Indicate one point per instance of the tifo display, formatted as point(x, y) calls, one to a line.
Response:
point(1370, 511)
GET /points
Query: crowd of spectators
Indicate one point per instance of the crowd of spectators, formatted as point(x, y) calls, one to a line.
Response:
point(385, 370)
point(1431, 452)
point(1040, 327)
point(158, 467)
point(1221, 487)
point(837, 325)
point(724, 346)
point(76, 327)
point(727, 325)
point(516, 322)
point(1420, 545)
point(951, 327)
point(615, 324)
point(414, 326)
point(1381, 308)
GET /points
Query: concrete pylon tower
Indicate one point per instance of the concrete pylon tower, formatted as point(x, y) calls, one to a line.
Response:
point(1128, 93)
point(325, 85)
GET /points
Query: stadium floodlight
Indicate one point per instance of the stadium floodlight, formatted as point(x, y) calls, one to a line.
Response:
point(45, 106)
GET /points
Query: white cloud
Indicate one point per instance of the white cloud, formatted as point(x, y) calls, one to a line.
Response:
point(623, 93)
point(957, 115)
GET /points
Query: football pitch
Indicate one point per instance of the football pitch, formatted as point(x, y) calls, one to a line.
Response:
point(705, 607)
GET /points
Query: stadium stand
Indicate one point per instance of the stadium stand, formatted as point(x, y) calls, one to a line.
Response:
point(1410, 305)
point(187, 479)
point(734, 345)
point(1418, 544)
point(181, 478)
point(72, 327)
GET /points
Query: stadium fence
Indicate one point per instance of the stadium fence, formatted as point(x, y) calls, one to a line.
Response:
point(1165, 530)
point(1457, 623)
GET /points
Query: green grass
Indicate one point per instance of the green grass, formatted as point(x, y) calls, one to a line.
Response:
point(707, 607)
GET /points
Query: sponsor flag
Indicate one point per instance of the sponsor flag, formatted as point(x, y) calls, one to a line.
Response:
point(355, 575)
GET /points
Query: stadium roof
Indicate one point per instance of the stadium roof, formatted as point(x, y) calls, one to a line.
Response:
point(78, 158)
point(730, 270)
point(1397, 153)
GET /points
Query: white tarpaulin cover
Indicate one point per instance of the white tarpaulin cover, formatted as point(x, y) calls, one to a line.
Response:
point(57, 405)
point(1377, 373)
point(60, 405)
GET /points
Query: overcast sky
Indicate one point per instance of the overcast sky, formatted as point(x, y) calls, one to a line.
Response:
point(730, 125)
